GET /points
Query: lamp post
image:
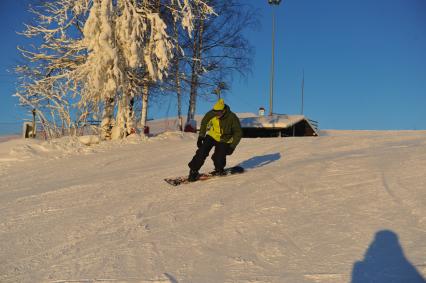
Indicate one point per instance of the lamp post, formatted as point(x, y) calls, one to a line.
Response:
point(271, 86)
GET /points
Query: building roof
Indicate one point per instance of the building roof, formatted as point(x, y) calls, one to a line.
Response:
point(276, 121)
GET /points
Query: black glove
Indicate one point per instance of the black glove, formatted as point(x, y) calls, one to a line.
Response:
point(200, 142)
point(230, 150)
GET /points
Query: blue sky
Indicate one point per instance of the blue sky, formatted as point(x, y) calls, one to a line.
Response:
point(364, 63)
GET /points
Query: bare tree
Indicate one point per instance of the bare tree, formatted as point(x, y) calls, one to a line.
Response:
point(218, 49)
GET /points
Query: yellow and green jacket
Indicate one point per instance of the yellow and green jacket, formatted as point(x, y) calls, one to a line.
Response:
point(224, 129)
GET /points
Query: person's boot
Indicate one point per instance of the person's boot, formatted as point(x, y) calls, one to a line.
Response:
point(218, 172)
point(193, 175)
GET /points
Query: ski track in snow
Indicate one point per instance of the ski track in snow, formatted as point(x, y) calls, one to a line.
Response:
point(306, 210)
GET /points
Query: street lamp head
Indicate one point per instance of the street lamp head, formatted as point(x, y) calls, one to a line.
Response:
point(274, 2)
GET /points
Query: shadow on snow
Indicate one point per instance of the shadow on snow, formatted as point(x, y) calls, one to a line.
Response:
point(260, 161)
point(385, 262)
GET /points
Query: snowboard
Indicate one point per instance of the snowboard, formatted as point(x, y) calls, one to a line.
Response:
point(204, 176)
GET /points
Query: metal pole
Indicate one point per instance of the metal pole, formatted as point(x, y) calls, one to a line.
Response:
point(271, 87)
point(303, 87)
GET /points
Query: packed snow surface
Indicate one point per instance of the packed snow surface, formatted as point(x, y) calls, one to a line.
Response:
point(348, 206)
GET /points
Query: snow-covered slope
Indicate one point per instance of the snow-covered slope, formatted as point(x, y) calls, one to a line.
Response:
point(344, 207)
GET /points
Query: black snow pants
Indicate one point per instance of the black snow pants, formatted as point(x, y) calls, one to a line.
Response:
point(218, 157)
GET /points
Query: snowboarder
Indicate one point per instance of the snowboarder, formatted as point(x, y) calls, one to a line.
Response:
point(221, 129)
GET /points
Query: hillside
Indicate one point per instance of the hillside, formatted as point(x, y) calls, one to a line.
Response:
point(349, 206)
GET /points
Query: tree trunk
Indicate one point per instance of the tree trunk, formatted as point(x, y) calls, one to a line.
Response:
point(144, 114)
point(107, 116)
point(120, 128)
point(130, 117)
point(177, 78)
point(179, 101)
point(196, 68)
point(192, 96)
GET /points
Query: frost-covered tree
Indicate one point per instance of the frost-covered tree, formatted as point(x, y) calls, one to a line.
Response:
point(122, 39)
point(94, 54)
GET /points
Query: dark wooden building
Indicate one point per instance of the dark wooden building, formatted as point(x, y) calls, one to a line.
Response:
point(278, 126)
